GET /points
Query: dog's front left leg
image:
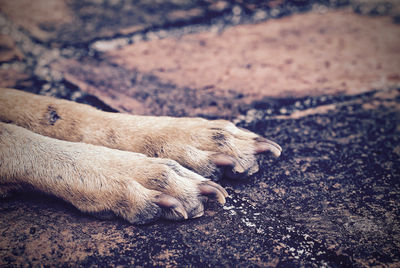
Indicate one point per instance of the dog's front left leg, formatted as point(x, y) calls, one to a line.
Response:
point(102, 181)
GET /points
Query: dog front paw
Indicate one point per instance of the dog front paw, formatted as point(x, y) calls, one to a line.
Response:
point(179, 192)
point(140, 189)
point(207, 147)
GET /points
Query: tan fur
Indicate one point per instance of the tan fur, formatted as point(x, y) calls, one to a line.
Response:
point(60, 147)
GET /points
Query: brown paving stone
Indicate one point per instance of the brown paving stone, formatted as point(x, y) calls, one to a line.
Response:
point(220, 74)
point(119, 99)
point(304, 54)
point(140, 93)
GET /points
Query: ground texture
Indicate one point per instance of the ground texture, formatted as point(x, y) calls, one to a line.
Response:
point(320, 78)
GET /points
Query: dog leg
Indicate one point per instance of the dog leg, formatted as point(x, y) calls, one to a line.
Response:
point(100, 180)
point(199, 144)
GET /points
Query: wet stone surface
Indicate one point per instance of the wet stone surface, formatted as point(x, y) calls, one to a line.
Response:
point(331, 199)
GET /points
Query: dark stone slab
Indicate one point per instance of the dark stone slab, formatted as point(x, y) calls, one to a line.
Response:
point(332, 198)
point(76, 22)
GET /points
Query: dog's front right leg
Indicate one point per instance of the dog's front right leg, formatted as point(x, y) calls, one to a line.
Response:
point(99, 180)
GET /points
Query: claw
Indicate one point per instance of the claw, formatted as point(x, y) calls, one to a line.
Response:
point(228, 161)
point(264, 145)
point(223, 160)
point(213, 192)
point(219, 187)
point(168, 202)
point(234, 175)
point(198, 215)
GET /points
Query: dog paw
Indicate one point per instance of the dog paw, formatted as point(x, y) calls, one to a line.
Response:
point(179, 192)
point(208, 147)
point(137, 188)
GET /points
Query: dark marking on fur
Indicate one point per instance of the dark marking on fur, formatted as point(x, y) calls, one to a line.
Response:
point(219, 138)
point(51, 116)
point(174, 166)
point(158, 183)
point(7, 121)
point(160, 152)
point(59, 178)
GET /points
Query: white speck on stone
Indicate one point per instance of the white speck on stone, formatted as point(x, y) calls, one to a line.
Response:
point(46, 86)
point(162, 33)
point(286, 237)
point(137, 38)
point(152, 36)
point(232, 212)
point(260, 15)
point(250, 115)
point(236, 11)
point(103, 46)
point(274, 12)
point(248, 223)
point(214, 29)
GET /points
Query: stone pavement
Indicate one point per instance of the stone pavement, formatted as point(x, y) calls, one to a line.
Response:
point(320, 78)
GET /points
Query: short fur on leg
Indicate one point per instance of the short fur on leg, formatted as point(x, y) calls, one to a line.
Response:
point(98, 180)
point(65, 149)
